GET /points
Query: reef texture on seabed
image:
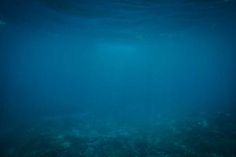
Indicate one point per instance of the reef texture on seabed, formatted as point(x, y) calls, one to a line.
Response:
point(198, 136)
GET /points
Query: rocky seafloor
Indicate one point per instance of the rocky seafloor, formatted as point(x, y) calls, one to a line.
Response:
point(201, 135)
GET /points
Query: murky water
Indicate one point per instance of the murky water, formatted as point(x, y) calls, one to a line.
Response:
point(117, 78)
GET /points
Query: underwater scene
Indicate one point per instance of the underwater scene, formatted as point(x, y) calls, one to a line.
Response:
point(117, 78)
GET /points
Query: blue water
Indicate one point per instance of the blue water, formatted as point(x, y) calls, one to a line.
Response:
point(117, 78)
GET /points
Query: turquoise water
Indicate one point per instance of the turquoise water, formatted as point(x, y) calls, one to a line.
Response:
point(117, 78)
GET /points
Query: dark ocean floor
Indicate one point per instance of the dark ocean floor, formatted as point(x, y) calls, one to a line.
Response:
point(201, 135)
